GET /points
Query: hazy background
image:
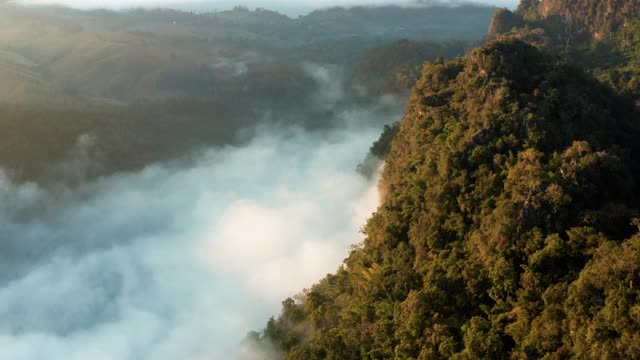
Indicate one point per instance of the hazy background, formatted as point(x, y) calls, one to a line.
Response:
point(180, 259)
point(289, 7)
point(178, 262)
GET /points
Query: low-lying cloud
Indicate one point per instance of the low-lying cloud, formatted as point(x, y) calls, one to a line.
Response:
point(175, 261)
point(291, 7)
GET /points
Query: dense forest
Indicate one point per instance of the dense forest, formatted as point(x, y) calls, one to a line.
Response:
point(510, 218)
point(599, 36)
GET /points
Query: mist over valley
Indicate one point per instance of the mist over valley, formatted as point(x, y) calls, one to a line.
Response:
point(327, 180)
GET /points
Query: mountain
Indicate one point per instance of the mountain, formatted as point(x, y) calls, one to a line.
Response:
point(508, 229)
point(396, 22)
point(599, 36)
point(60, 54)
point(150, 85)
point(598, 17)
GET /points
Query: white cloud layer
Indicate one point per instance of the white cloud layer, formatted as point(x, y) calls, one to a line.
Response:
point(287, 6)
point(177, 262)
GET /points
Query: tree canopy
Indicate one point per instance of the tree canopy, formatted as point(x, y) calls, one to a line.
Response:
point(506, 230)
point(599, 36)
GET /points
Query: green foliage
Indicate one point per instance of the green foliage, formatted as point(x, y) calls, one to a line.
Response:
point(599, 17)
point(37, 138)
point(599, 36)
point(510, 189)
point(614, 60)
point(379, 150)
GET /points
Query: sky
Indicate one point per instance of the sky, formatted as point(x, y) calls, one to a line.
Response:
point(290, 7)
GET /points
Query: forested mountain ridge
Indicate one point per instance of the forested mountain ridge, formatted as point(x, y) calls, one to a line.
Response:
point(599, 36)
point(599, 17)
point(507, 228)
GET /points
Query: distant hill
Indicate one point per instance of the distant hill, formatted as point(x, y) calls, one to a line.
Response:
point(49, 53)
point(149, 85)
point(429, 22)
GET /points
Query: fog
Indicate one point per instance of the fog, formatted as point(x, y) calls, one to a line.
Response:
point(180, 260)
point(173, 262)
point(290, 7)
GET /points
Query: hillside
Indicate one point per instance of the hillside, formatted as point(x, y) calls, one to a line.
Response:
point(100, 56)
point(39, 140)
point(599, 36)
point(593, 19)
point(598, 17)
point(507, 229)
